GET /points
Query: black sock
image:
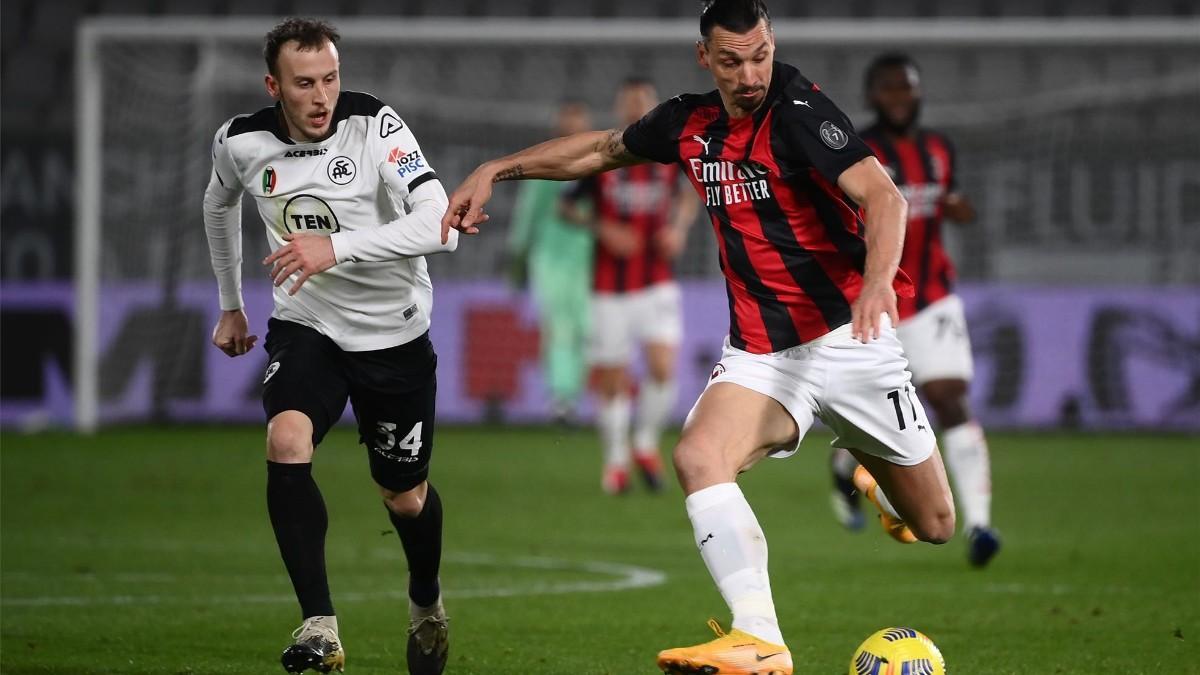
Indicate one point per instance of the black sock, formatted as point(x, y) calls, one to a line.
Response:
point(299, 519)
point(846, 487)
point(422, 540)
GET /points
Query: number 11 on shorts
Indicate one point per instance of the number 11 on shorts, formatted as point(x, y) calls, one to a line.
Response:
point(894, 395)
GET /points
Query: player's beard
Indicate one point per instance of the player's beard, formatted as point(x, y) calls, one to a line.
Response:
point(749, 104)
point(899, 127)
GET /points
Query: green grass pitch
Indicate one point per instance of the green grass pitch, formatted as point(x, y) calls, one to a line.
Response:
point(148, 551)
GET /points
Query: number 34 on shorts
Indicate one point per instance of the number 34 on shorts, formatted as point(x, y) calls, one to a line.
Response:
point(398, 449)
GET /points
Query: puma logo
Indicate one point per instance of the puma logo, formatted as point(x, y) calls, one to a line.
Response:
point(703, 142)
point(706, 540)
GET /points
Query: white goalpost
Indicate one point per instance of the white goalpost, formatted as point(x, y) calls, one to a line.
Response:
point(150, 92)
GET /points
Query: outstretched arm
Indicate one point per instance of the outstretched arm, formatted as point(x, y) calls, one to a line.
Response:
point(566, 158)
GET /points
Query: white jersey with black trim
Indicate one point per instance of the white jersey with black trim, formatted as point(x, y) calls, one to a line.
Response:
point(367, 186)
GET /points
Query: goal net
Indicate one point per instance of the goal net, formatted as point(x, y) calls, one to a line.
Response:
point(1077, 140)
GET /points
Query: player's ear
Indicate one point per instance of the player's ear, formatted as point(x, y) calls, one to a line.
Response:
point(272, 86)
point(702, 54)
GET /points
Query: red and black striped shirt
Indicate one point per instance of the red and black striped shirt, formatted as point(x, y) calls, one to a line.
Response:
point(791, 246)
point(639, 197)
point(923, 167)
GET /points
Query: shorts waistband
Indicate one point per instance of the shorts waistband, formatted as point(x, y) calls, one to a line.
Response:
point(838, 336)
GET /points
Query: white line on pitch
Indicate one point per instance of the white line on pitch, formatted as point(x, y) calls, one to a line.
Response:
point(627, 577)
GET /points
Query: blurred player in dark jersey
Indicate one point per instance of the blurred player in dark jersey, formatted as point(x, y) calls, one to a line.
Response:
point(933, 326)
point(640, 217)
point(811, 291)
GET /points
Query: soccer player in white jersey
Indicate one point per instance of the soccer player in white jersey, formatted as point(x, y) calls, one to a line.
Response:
point(350, 205)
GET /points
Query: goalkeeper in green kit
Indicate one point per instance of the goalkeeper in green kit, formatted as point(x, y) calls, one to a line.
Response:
point(556, 257)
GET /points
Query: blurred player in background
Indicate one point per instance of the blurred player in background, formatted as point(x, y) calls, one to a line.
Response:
point(555, 256)
point(641, 217)
point(933, 327)
point(811, 305)
point(351, 319)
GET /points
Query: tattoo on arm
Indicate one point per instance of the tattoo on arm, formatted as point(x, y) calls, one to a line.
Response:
point(613, 146)
point(512, 173)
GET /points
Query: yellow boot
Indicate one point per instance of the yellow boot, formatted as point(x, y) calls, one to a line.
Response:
point(737, 653)
point(865, 483)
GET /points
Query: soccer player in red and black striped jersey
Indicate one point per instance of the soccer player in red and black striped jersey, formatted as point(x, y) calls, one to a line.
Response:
point(641, 216)
point(812, 298)
point(932, 326)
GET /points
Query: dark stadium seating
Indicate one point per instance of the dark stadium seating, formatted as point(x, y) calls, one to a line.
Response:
point(38, 37)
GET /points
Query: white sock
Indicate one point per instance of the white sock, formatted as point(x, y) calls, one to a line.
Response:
point(843, 463)
point(884, 503)
point(655, 400)
point(735, 551)
point(966, 453)
point(613, 421)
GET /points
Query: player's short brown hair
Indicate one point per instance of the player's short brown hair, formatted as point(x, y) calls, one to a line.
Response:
point(308, 33)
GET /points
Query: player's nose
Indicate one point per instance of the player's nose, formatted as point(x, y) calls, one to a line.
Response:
point(747, 78)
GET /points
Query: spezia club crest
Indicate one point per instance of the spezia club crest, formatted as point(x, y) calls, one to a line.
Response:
point(833, 136)
point(340, 170)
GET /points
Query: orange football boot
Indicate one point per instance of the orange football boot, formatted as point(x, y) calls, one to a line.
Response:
point(865, 483)
point(736, 653)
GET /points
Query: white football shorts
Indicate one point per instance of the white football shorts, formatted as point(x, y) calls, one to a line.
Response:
point(862, 392)
point(936, 342)
point(621, 322)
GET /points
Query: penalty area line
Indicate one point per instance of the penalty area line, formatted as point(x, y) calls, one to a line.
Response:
point(622, 577)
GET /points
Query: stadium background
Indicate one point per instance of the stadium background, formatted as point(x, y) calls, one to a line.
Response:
point(1081, 281)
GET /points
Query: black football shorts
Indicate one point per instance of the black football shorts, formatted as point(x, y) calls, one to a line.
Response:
point(392, 391)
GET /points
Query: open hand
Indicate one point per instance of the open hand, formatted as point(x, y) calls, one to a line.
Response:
point(867, 311)
point(305, 253)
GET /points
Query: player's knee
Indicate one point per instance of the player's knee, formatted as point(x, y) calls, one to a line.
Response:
point(662, 371)
point(696, 462)
point(408, 504)
point(951, 413)
point(948, 399)
point(937, 527)
point(610, 382)
point(289, 438)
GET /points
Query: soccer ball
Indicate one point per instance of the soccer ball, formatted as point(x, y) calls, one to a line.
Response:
point(898, 651)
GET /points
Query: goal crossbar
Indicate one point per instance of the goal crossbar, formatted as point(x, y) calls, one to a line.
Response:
point(837, 32)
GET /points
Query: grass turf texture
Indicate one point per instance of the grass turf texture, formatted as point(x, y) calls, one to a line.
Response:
point(148, 551)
